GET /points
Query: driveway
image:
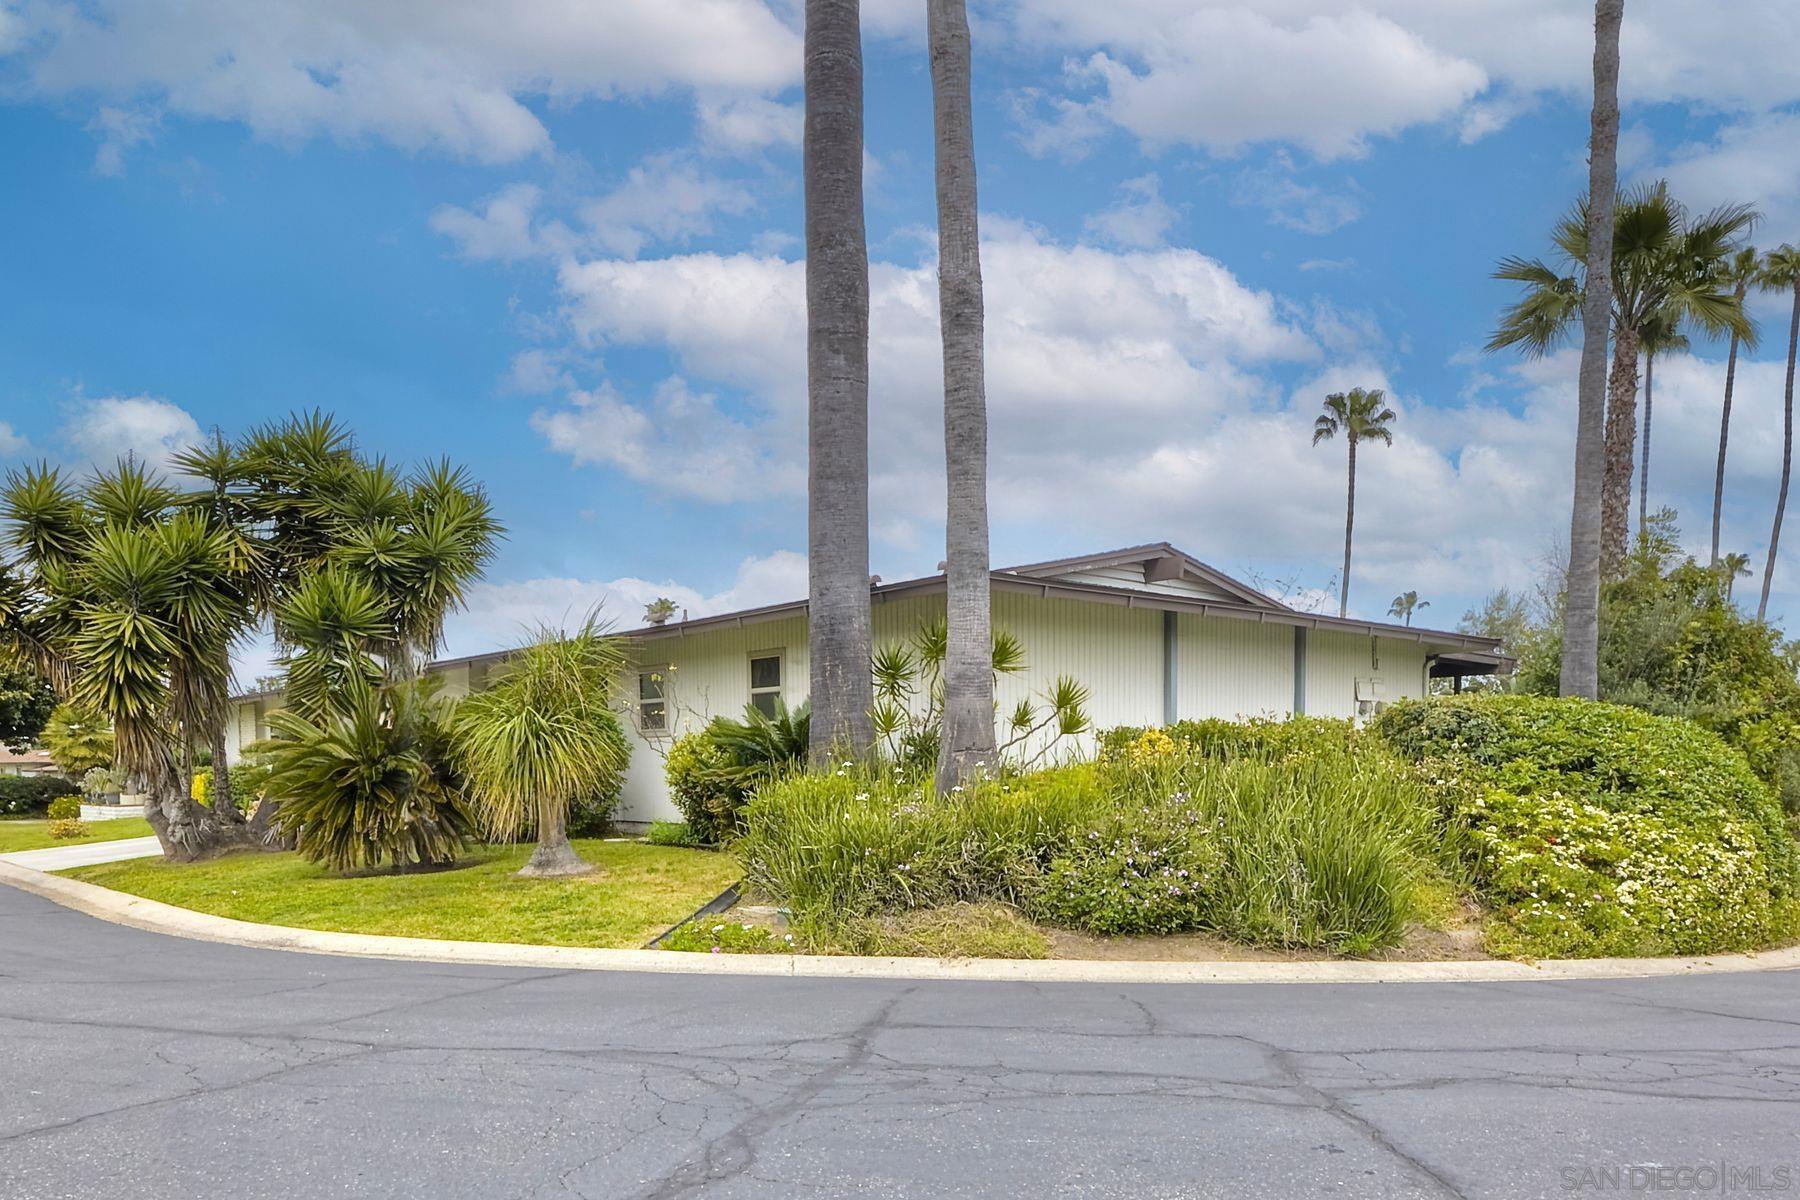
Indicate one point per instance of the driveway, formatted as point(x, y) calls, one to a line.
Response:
point(147, 1066)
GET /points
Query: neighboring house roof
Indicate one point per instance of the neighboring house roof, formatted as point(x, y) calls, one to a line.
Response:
point(1086, 577)
point(35, 761)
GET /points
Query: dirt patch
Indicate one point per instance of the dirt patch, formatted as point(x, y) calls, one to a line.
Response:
point(1419, 944)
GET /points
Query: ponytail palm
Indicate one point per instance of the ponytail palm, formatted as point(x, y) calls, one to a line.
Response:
point(542, 737)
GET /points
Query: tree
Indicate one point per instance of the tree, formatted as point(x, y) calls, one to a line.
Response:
point(542, 737)
point(1360, 416)
point(1661, 334)
point(26, 702)
point(837, 378)
point(1664, 267)
point(78, 740)
point(968, 734)
point(1733, 567)
point(130, 599)
point(1741, 271)
point(1406, 604)
point(1580, 674)
point(1781, 272)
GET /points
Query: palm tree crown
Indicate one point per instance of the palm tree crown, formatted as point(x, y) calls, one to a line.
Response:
point(1663, 259)
point(1665, 271)
point(1406, 604)
point(1359, 415)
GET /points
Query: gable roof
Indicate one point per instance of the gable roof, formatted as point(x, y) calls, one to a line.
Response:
point(1160, 561)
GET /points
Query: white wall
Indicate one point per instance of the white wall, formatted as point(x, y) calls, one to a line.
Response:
point(1335, 661)
point(1234, 669)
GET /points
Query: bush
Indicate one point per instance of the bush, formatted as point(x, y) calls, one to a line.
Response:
point(248, 781)
point(1601, 830)
point(372, 785)
point(102, 781)
point(1275, 847)
point(1226, 739)
point(712, 772)
point(700, 788)
point(67, 827)
point(32, 793)
point(64, 808)
point(671, 833)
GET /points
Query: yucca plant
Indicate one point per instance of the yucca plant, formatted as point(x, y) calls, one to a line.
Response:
point(372, 784)
point(541, 738)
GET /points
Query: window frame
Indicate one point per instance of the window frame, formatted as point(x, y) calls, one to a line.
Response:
point(779, 690)
point(660, 673)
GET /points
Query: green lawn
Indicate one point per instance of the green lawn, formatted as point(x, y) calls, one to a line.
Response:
point(35, 835)
point(640, 891)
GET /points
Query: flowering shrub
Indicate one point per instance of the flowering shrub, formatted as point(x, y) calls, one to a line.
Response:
point(67, 827)
point(1215, 738)
point(1602, 830)
point(65, 808)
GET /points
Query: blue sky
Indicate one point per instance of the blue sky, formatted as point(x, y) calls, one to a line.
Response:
point(559, 243)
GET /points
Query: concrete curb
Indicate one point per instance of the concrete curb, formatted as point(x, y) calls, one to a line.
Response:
point(157, 917)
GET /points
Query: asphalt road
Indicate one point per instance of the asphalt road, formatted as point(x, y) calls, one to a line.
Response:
point(137, 1065)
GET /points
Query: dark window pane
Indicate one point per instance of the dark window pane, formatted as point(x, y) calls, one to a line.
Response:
point(765, 703)
point(765, 672)
point(650, 686)
point(652, 716)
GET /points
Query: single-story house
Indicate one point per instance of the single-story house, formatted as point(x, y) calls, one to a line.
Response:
point(26, 762)
point(1154, 634)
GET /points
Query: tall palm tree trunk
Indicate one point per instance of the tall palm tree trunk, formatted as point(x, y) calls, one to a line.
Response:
point(1644, 463)
point(1724, 436)
point(837, 369)
point(1581, 605)
point(1621, 439)
point(1349, 531)
point(1787, 455)
point(968, 734)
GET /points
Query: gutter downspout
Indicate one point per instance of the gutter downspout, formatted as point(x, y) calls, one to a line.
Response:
point(1171, 624)
point(1299, 670)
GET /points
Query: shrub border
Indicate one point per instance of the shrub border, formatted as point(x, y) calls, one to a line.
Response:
point(153, 916)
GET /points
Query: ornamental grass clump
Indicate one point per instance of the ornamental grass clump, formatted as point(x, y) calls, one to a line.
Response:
point(1298, 845)
point(1599, 830)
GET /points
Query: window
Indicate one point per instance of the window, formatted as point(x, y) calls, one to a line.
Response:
point(765, 683)
point(653, 706)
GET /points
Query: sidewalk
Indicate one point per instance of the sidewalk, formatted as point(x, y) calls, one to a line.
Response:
point(58, 858)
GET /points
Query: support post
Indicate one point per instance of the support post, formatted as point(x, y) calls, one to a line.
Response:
point(1171, 665)
point(1299, 671)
